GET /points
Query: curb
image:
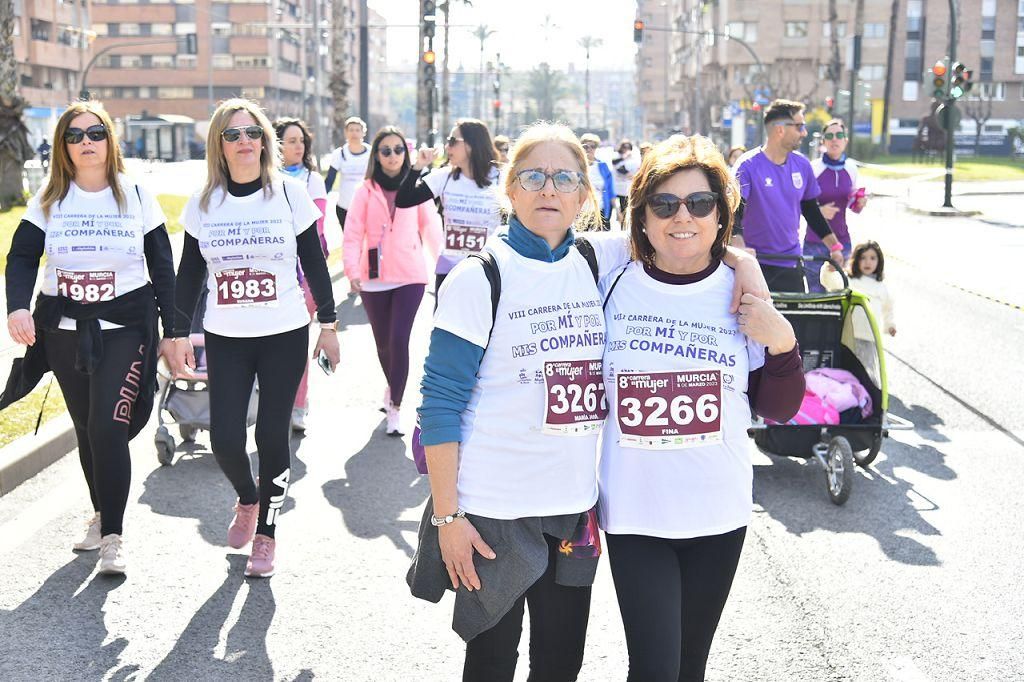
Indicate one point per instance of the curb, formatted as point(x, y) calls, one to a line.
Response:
point(30, 454)
point(942, 212)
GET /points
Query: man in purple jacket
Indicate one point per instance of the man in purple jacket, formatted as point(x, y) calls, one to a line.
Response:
point(777, 186)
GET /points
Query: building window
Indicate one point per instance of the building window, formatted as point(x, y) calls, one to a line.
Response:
point(173, 93)
point(986, 69)
point(826, 29)
point(252, 62)
point(796, 29)
point(162, 29)
point(40, 30)
point(186, 61)
point(988, 8)
point(871, 72)
point(162, 61)
point(910, 89)
point(990, 91)
point(914, 8)
point(128, 29)
point(223, 61)
point(183, 28)
point(988, 28)
point(875, 30)
point(131, 61)
point(744, 30)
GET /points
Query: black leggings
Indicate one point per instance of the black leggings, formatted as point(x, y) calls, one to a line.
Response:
point(558, 631)
point(100, 406)
point(671, 594)
point(341, 213)
point(391, 314)
point(277, 362)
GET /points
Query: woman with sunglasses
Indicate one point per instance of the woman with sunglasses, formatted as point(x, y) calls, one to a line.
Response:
point(837, 178)
point(512, 408)
point(465, 188)
point(675, 472)
point(250, 229)
point(94, 323)
point(384, 260)
point(297, 162)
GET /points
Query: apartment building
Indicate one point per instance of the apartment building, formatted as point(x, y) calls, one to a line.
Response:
point(51, 43)
point(657, 97)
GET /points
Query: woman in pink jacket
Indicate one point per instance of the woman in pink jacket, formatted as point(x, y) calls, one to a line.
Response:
point(385, 261)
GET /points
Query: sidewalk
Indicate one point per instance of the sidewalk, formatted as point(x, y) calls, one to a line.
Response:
point(996, 202)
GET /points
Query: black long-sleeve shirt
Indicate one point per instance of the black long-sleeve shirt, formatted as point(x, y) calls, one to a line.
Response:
point(413, 191)
point(192, 270)
point(29, 244)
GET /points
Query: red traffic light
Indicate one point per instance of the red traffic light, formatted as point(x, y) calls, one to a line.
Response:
point(939, 69)
point(829, 103)
point(638, 31)
point(429, 57)
point(497, 104)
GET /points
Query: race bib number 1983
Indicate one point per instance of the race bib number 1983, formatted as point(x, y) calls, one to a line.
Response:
point(576, 403)
point(246, 287)
point(669, 410)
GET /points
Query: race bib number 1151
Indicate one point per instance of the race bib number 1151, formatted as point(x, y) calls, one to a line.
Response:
point(669, 410)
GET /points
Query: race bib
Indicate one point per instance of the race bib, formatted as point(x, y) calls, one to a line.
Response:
point(464, 239)
point(246, 287)
point(86, 287)
point(576, 404)
point(670, 410)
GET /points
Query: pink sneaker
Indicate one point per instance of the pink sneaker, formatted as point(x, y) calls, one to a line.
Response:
point(243, 525)
point(261, 561)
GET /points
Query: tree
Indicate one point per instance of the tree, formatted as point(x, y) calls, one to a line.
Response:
point(587, 42)
point(979, 108)
point(445, 7)
point(15, 149)
point(834, 65)
point(339, 68)
point(546, 88)
point(481, 33)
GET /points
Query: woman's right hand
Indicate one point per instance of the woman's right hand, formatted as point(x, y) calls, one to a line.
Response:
point(458, 540)
point(424, 157)
point(22, 327)
point(184, 356)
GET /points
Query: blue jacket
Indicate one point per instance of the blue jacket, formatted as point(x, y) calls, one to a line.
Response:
point(608, 194)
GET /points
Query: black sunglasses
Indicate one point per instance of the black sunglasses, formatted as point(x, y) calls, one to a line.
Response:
point(397, 150)
point(75, 135)
point(233, 134)
point(452, 141)
point(698, 204)
point(839, 136)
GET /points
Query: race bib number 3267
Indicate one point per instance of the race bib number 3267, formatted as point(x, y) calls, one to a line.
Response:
point(669, 410)
point(576, 403)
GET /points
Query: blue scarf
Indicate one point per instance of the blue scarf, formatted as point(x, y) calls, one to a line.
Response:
point(832, 163)
point(294, 171)
point(526, 243)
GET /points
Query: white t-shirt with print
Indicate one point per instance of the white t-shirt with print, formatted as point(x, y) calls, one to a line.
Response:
point(315, 185)
point(471, 213)
point(351, 169)
point(94, 250)
point(675, 370)
point(516, 459)
point(249, 247)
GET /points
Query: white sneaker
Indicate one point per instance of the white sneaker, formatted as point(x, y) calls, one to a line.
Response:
point(393, 421)
point(91, 540)
point(299, 419)
point(111, 555)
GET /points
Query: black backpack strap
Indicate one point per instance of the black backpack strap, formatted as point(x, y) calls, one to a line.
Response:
point(587, 250)
point(493, 275)
point(615, 283)
point(284, 188)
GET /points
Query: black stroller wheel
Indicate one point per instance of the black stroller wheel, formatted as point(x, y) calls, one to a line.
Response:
point(866, 457)
point(164, 442)
point(187, 433)
point(839, 470)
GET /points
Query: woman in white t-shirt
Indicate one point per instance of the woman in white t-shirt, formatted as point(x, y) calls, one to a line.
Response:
point(249, 229)
point(94, 324)
point(467, 189)
point(681, 373)
point(348, 163)
point(297, 162)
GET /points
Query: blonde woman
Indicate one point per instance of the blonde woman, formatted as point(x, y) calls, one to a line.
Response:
point(108, 275)
point(249, 228)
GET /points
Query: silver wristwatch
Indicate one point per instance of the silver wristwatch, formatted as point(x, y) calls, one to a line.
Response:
point(445, 520)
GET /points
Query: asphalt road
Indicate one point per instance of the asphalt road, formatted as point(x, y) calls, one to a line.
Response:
point(917, 577)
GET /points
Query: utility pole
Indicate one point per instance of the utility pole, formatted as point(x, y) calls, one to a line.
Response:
point(364, 61)
point(858, 30)
point(950, 139)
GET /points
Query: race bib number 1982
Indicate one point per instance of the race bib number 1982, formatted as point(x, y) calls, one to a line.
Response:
point(86, 287)
point(576, 403)
point(669, 410)
point(246, 287)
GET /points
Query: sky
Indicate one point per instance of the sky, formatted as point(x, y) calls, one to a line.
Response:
point(520, 38)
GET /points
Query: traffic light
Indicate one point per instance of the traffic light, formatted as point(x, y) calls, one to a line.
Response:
point(939, 73)
point(830, 103)
point(960, 81)
point(429, 18)
point(191, 44)
point(638, 31)
point(429, 70)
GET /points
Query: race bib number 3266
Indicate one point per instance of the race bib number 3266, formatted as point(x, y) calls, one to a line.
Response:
point(246, 287)
point(576, 403)
point(669, 410)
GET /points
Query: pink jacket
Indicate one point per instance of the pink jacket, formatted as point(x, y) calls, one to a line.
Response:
point(369, 225)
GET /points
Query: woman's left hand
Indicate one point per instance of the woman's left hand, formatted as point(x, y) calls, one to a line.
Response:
point(328, 342)
point(762, 323)
point(748, 280)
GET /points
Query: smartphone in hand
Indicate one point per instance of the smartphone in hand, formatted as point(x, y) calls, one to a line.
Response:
point(324, 363)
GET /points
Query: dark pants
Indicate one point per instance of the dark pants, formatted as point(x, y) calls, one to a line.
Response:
point(391, 314)
point(781, 278)
point(277, 362)
point(623, 205)
point(341, 213)
point(558, 631)
point(100, 405)
point(671, 594)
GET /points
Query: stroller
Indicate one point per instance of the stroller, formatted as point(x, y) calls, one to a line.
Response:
point(823, 323)
point(186, 399)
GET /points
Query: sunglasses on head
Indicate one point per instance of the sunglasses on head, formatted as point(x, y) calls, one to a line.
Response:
point(698, 204)
point(589, 145)
point(452, 141)
point(234, 134)
point(397, 150)
point(838, 136)
point(75, 135)
point(534, 179)
point(798, 126)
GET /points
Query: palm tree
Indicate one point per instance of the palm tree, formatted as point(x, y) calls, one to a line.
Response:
point(587, 42)
point(339, 67)
point(833, 49)
point(546, 88)
point(481, 33)
point(445, 8)
point(14, 145)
